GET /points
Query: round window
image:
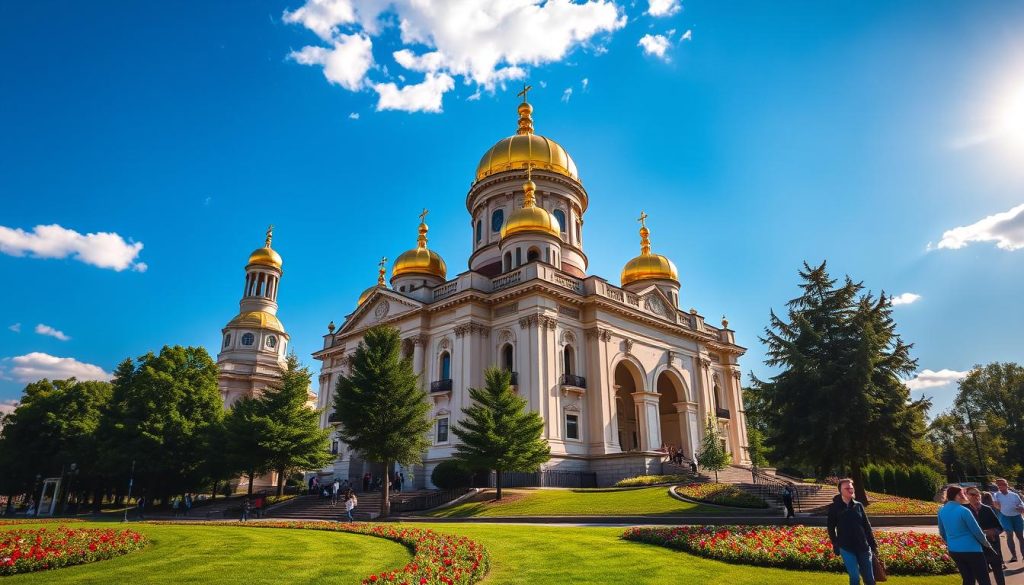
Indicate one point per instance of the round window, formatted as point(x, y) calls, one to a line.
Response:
point(248, 339)
point(227, 340)
point(271, 342)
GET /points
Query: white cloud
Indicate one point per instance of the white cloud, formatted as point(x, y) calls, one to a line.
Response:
point(929, 379)
point(485, 42)
point(654, 45)
point(345, 63)
point(585, 83)
point(1006, 229)
point(567, 94)
point(353, 116)
point(663, 7)
point(36, 366)
point(15, 328)
point(421, 97)
point(905, 299)
point(687, 36)
point(102, 249)
point(47, 330)
point(7, 406)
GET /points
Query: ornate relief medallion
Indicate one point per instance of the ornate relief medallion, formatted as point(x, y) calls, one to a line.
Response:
point(653, 304)
point(381, 310)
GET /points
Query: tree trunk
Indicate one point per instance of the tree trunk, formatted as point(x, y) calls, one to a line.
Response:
point(385, 502)
point(280, 482)
point(252, 474)
point(216, 483)
point(857, 475)
point(497, 483)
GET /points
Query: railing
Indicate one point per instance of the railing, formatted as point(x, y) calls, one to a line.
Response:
point(333, 418)
point(441, 385)
point(568, 282)
point(446, 290)
point(722, 412)
point(774, 486)
point(572, 380)
point(426, 501)
point(506, 280)
point(566, 479)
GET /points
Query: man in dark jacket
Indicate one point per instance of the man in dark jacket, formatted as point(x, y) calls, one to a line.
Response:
point(851, 536)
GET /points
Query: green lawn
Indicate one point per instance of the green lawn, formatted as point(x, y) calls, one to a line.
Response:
point(652, 501)
point(206, 555)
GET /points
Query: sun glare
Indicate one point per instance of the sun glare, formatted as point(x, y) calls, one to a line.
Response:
point(1011, 118)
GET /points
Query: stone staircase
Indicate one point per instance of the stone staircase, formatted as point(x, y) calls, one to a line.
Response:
point(811, 498)
point(317, 508)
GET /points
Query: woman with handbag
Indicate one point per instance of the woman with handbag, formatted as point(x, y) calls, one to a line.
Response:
point(964, 539)
point(990, 525)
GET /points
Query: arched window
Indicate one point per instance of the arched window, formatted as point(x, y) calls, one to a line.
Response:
point(271, 342)
point(227, 339)
point(519, 256)
point(497, 220)
point(507, 263)
point(560, 216)
point(446, 366)
point(579, 235)
point(508, 357)
point(532, 254)
point(568, 360)
point(248, 339)
point(479, 230)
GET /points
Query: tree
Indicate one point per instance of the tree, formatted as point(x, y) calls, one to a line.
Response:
point(497, 432)
point(712, 454)
point(381, 406)
point(245, 425)
point(292, 435)
point(990, 400)
point(839, 401)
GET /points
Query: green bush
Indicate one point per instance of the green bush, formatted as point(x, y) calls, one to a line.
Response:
point(652, 480)
point(889, 476)
point(874, 479)
point(450, 474)
point(902, 481)
point(923, 482)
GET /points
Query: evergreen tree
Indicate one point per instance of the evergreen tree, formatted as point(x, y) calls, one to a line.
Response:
point(381, 406)
point(498, 432)
point(245, 426)
point(839, 401)
point(293, 438)
point(990, 405)
point(712, 455)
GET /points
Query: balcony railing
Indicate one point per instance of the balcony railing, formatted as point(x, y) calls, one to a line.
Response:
point(722, 412)
point(441, 385)
point(333, 418)
point(573, 380)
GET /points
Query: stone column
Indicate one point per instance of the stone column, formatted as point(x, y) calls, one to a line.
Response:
point(647, 420)
point(602, 436)
point(687, 413)
point(739, 420)
point(418, 341)
point(705, 400)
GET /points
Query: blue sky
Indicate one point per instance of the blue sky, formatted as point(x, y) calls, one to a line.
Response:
point(887, 138)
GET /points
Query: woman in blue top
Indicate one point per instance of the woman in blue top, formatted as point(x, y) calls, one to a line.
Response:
point(964, 538)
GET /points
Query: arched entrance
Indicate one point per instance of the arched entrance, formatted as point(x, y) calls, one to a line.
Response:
point(672, 430)
point(627, 381)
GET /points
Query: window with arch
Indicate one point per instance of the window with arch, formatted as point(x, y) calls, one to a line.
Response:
point(446, 366)
point(532, 254)
point(560, 216)
point(227, 339)
point(508, 357)
point(248, 339)
point(271, 341)
point(479, 230)
point(569, 360)
point(579, 235)
point(506, 263)
point(497, 220)
point(519, 256)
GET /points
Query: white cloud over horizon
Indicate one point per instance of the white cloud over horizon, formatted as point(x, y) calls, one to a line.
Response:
point(50, 331)
point(931, 379)
point(659, 8)
point(35, 366)
point(7, 406)
point(1006, 229)
point(484, 42)
point(687, 36)
point(655, 45)
point(906, 298)
point(100, 249)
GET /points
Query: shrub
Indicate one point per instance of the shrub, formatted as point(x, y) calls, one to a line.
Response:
point(451, 474)
point(651, 480)
point(722, 494)
point(873, 478)
point(922, 483)
point(902, 481)
point(890, 480)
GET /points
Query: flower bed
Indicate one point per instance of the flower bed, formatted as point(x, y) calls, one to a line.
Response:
point(797, 547)
point(438, 559)
point(23, 551)
point(886, 505)
point(27, 520)
point(642, 480)
point(723, 494)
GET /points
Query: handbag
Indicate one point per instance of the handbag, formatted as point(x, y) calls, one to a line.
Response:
point(878, 567)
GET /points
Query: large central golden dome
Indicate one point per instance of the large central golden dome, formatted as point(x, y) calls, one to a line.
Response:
point(526, 148)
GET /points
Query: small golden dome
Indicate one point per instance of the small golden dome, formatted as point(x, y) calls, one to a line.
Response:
point(266, 256)
point(379, 286)
point(648, 266)
point(529, 218)
point(257, 320)
point(366, 293)
point(526, 148)
point(420, 260)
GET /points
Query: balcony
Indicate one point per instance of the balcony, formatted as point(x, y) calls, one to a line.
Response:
point(514, 378)
point(722, 412)
point(573, 380)
point(441, 385)
point(333, 419)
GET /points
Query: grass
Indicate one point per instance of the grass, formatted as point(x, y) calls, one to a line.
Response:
point(650, 501)
point(529, 555)
point(229, 555)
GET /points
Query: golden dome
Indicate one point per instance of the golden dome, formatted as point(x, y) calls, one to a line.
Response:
point(266, 256)
point(366, 293)
point(257, 320)
point(526, 148)
point(380, 284)
point(420, 260)
point(648, 266)
point(529, 218)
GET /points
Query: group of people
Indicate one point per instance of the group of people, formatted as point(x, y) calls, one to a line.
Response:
point(678, 456)
point(970, 522)
point(182, 505)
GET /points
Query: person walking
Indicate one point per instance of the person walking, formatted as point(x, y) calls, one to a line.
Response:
point(188, 503)
point(1010, 506)
point(366, 481)
point(964, 539)
point(246, 509)
point(176, 505)
point(397, 483)
point(335, 487)
point(140, 503)
point(851, 535)
point(989, 524)
point(350, 504)
point(787, 501)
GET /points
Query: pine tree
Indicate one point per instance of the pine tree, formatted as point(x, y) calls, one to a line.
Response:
point(245, 425)
point(498, 432)
point(712, 455)
point(381, 406)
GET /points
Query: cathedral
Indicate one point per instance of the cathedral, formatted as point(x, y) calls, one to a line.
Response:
point(618, 373)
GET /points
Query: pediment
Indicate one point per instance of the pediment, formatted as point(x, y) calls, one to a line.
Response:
point(653, 300)
point(381, 306)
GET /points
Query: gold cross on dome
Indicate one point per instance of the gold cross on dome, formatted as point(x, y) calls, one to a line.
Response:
point(270, 234)
point(423, 215)
point(526, 90)
point(383, 262)
point(642, 219)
